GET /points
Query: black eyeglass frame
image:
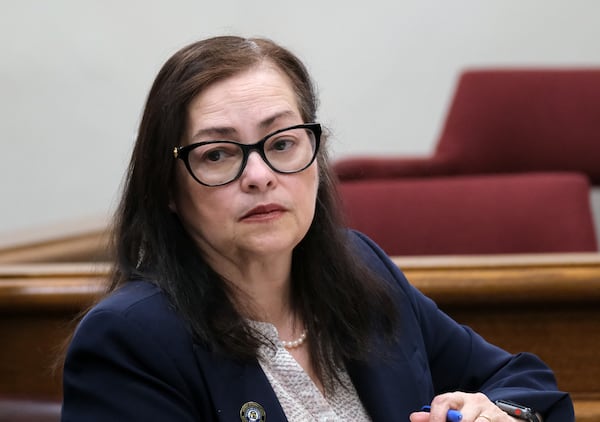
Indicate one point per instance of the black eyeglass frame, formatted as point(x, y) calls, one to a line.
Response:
point(182, 152)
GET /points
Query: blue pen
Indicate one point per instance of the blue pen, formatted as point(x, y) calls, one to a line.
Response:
point(452, 416)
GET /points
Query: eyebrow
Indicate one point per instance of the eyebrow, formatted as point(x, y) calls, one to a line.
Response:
point(227, 131)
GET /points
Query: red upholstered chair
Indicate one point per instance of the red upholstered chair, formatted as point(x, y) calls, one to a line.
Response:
point(507, 121)
point(495, 214)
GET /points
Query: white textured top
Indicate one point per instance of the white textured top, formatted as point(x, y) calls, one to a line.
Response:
point(298, 395)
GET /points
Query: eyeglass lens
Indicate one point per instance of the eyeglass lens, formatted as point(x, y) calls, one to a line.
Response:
point(219, 162)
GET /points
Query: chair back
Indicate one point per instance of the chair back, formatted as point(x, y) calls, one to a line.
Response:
point(518, 120)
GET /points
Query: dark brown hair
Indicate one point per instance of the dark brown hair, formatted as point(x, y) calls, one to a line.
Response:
point(338, 299)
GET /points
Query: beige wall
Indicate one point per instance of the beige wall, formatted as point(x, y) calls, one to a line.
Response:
point(74, 76)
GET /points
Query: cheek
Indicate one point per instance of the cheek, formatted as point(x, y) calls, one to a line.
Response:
point(316, 179)
point(311, 187)
point(189, 201)
point(203, 217)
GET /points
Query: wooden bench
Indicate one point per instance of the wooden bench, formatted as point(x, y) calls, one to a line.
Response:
point(545, 304)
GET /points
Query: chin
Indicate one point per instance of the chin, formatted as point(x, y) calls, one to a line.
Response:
point(273, 243)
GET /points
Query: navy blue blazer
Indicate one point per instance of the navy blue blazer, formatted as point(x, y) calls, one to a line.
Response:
point(133, 359)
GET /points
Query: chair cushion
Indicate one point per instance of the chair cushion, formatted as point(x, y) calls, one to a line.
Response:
point(494, 214)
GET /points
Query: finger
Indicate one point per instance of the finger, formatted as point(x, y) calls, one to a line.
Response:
point(455, 400)
point(442, 403)
point(419, 417)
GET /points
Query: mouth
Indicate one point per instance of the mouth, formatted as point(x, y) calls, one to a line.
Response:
point(263, 212)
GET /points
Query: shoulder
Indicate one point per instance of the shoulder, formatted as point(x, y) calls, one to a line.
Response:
point(376, 259)
point(137, 310)
point(132, 299)
point(134, 327)
point(364, 245)
point(135, 301)
point(133, 351)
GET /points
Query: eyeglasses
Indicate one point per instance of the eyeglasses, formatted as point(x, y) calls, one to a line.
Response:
point(286, 151)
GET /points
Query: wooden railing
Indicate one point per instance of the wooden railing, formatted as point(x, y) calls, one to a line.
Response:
point(83, 240)
point(545, 304)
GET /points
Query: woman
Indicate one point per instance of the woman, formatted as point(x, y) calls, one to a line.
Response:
point(237, 295)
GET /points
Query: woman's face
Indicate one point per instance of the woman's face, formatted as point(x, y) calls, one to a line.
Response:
point(263, 214)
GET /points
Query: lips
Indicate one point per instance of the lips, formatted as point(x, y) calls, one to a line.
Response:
point(263, 211)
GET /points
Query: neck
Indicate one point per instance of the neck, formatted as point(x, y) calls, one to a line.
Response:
point(262, 287)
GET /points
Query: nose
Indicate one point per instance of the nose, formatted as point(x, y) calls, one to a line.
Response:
point(257, 175)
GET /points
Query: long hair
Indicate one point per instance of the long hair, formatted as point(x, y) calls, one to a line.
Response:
point(339, 300)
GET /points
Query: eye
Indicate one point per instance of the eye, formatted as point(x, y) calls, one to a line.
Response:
point(214, 155)
point(282, 144)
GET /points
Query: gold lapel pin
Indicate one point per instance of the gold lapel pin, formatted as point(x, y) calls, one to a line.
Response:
point(252, 412)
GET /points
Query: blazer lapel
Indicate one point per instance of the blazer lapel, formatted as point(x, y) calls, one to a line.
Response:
point(232, 384)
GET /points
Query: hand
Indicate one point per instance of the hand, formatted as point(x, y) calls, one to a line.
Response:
point(475, 407)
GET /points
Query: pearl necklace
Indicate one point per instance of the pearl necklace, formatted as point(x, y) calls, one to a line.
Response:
point(295, 343)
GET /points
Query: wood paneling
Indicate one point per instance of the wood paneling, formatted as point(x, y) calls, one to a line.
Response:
point(38, 304)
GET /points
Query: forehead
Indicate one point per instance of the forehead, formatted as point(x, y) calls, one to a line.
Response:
point(254, 94)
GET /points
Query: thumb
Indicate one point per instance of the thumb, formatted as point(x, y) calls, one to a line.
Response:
point(419, 417)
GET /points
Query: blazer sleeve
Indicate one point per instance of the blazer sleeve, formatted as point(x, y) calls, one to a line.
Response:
point(461, 360)
point(119, 367)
